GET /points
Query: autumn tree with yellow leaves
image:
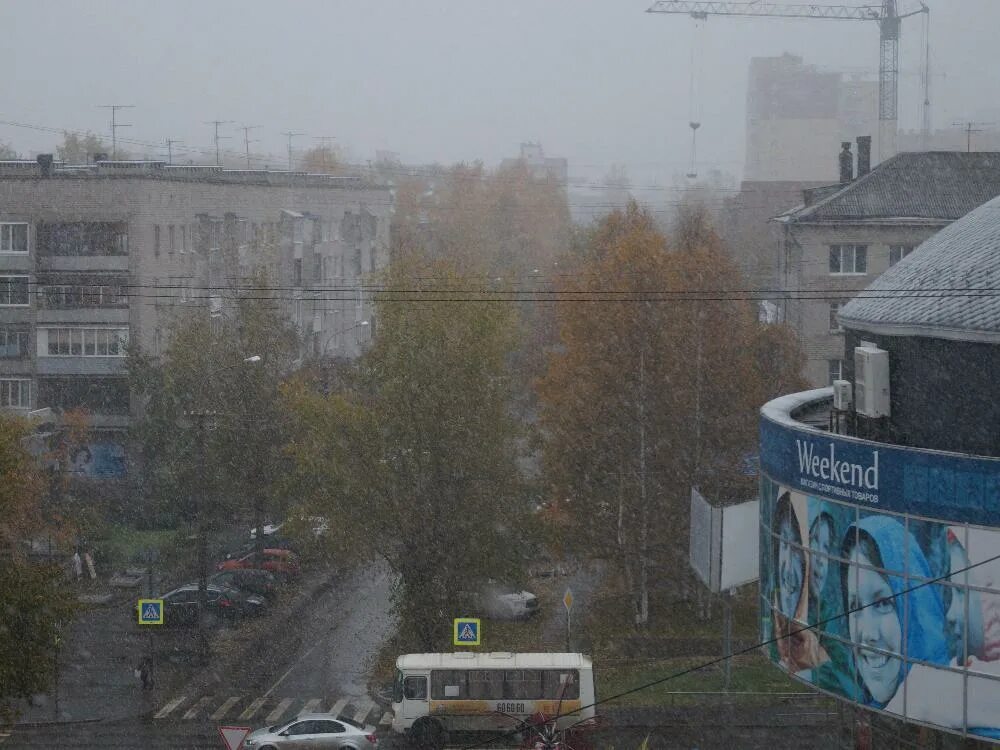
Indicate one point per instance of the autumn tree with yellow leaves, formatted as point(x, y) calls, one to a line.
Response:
point(655, 388)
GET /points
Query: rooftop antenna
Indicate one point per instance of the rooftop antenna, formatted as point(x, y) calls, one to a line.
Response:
point(246, 140)
point(326, 143)
point(290, 134)
point(115, 124)
point(170, 149)
point(970, 128)
point(217, 123)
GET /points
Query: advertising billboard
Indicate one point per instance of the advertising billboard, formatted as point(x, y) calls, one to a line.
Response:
point(880, 575)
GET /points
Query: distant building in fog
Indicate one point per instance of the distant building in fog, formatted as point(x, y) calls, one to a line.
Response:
point(796, 112)
point(541, 166)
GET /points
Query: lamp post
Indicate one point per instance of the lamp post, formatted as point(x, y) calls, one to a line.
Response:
point(200, 416)
point(359, 324)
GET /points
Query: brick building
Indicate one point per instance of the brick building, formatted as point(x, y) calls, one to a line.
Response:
point(94, 257)
point(845, 235)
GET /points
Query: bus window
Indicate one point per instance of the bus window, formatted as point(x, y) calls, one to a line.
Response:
point(415, 688)
point(486, 685)
point(522, 684)
point(448, 684)
point(563, 684)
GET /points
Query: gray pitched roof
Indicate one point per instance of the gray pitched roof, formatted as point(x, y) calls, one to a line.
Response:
point(942, 185)
point(948, 287)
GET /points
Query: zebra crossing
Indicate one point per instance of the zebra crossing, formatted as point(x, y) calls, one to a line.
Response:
point(270, 709)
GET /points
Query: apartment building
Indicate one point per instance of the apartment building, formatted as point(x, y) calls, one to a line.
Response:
point(845, 235)
point(95, 257)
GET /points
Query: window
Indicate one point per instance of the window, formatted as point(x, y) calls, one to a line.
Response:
point(61, 292)
point(898, 252)
point(83, 342)
point(297, 272)
point(415, 688)
point(836, 367)
point(835, 306)
point(848, 259)
point(15, 393)
point(13, 343)
point(184, 238)
point(328, 727)
point(100, 395)
point(13, 291)
point(83, 238)
point(156, 240)
point(171, 239)
point(13, 238)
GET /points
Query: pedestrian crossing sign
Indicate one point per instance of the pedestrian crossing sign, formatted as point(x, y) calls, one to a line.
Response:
point(150, 611)
point(467, 631)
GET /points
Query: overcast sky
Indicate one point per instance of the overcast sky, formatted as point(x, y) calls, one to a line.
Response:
point(596, 81)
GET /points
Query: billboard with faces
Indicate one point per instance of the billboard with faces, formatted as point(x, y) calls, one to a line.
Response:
point(897, 611)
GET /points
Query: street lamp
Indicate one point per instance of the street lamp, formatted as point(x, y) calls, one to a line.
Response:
point(359, 324)
point(200, 416)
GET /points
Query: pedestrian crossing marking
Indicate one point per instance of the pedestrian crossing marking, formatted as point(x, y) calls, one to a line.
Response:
point(197, 707)
point(364, 709)
point(224, 708)
point(165, 711)
point(253, 708)
point(361, 710)
point(277, 712)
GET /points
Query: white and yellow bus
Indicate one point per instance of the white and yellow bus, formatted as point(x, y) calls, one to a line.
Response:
point(438, 693)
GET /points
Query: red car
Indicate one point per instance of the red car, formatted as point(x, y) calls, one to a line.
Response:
point(281, 562)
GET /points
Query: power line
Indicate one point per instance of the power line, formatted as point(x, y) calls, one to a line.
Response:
point(741, 652)
point(290, 134)
point(246, 140)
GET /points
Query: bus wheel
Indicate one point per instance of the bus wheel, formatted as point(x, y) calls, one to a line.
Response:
point(427, 734)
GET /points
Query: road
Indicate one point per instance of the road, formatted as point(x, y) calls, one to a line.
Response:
point(318, 663)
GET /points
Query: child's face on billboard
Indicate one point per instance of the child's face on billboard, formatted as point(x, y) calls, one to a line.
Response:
point(791, 569)
point(876, 624)
point(819, 542)
point(960, 611)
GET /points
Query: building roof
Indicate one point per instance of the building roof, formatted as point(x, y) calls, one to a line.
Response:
point(930, 185)
point(948, 287)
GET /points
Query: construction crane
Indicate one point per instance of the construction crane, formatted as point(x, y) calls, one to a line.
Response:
point(886, 14)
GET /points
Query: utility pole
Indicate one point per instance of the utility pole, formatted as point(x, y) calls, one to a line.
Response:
point(326, 144)
point(115, 124)
point(290, 135)
point(217, 123)
point(246, 140)
point(170, 150)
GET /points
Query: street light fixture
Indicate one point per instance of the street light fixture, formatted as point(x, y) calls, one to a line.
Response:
point(359, 324)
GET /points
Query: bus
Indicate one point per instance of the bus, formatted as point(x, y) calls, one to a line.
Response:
point(434, 694)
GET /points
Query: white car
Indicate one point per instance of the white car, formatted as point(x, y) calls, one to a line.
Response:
point(506, 603)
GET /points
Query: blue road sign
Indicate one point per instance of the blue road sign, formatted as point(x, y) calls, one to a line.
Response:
point(467, 631)
point(150, 611)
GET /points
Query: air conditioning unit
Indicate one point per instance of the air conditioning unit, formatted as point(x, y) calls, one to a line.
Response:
point(842, 395)
point(317, 323)
point(871, 381)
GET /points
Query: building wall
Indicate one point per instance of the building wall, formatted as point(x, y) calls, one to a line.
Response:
point(944, 394)
point(340, 235)
point(811, 287)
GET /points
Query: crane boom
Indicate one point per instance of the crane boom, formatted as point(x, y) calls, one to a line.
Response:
point(701, 8)
point(885, 13)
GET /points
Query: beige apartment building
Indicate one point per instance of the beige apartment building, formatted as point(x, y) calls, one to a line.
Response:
point(844, 236)
point(95, 257)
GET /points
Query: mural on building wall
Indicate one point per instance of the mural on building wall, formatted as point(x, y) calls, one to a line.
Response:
point(895, 611)
point(98, 461)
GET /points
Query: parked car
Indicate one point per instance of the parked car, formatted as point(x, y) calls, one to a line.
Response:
point(269, 529)
point(547, 568)
point(180, 606)
point(249, 580)
point(282, 562)
point(506, 602)
point(321, 731)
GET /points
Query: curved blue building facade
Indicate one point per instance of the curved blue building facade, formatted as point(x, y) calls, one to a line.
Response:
point(880, 570)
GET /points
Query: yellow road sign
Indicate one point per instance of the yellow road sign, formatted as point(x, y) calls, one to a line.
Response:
point(467, 631)
point(150, 611)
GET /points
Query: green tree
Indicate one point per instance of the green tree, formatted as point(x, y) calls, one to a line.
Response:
point(202, 369)
point(418, 461)
point(80, 149)
point(321, 160)
point(33, 606)
point(656, 389)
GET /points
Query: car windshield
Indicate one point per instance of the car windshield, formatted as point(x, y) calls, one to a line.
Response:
point(380, 352)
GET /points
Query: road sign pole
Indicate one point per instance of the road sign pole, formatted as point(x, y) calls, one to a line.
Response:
point(568, 604)
point(569, 619)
